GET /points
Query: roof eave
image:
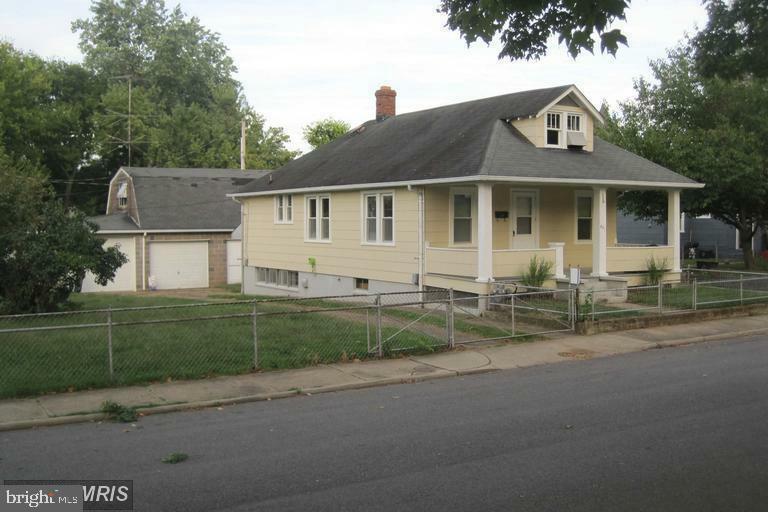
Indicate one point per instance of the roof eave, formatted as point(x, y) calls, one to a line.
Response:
point(481, 177)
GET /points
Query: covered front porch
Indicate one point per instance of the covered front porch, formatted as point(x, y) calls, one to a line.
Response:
point(476, 234)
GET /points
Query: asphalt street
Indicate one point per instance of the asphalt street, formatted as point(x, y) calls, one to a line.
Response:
point(674, 429)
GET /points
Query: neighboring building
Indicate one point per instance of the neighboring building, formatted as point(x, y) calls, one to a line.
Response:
point(176, 227)
point(458, 196)
point(711, 237)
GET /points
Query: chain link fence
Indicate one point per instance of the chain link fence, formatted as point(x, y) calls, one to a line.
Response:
point(123, 346)
point(697, 289)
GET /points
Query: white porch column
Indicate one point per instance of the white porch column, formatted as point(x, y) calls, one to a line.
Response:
point(673, 227)
point(559, 270)
point(600, 232)
point(484, 232)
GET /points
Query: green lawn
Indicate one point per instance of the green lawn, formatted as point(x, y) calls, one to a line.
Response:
point(708, 295)
point(186, 348)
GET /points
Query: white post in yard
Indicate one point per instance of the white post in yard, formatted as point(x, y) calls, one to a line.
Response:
point(484, 232)
point(600, 232)
point(673, 227)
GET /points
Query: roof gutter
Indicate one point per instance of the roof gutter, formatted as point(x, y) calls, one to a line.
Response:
point(627, 184)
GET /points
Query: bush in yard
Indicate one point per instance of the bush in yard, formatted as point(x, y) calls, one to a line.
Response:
point(538, 271)
point(656, 270)
point(45, 248)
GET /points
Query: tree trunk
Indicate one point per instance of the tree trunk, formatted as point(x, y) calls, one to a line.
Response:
point(745, 239)
point(68, 192)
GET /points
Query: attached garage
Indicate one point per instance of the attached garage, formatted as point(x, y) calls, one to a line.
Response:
point(175, 264)
point(125, 277)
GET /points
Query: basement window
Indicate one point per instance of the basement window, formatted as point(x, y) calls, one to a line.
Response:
point(277, 277)
point(361, 283)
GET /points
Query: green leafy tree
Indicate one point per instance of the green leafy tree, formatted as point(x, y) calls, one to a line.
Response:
point(186, 105)
point(45, 248)
point(734, 43)
point(46, 116)
point(524, 26)
point(324, 131)
point(709, 129)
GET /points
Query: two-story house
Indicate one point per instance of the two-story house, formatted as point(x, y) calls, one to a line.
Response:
point(457, 196)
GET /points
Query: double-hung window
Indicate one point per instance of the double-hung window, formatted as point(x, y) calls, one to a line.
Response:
point(122, 195)
point(553, 129)
point(462, 207)
point(583, 216)
point(284, 209)
point(318, 222)
point(573, 123)
point(379, 218)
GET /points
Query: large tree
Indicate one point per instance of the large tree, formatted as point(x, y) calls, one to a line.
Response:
point(45, 248)
point(324, 131)
point(46, 116)
point(524, 26)
point(734, 43)
point(709, 129)
point(186, 107)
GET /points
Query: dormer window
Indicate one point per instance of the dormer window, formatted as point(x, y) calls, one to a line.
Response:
point(574, 123)
point(122, 195)
point(553, 129)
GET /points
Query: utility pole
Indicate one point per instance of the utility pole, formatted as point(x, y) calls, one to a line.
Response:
point(242, 144)
point(130, 91)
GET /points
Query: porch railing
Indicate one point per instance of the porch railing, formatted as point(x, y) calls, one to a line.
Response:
point(635, 258)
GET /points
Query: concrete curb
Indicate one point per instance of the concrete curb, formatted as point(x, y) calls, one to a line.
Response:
point(412, 379)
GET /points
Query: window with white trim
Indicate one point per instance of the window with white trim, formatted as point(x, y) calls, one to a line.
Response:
point(277, 277)
point(284, 209)
point(379, 218)
point(462, 206)
point(583, 216)
point(573, 122)
point(122, 195)
point(318, 219)
point(553, 129)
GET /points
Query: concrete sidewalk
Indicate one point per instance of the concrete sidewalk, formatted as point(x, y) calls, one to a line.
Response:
point(164, 397)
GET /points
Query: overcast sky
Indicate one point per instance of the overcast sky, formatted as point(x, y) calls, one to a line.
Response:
point(305, 60)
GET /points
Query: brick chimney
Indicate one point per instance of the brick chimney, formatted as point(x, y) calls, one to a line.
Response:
point(385, 102)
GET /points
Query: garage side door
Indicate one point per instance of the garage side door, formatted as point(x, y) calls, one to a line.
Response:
point(125, 277)
point(175, 265)
point(234, 255)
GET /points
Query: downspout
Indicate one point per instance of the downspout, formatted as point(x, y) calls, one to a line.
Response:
point(421, 237)
point(144, 262)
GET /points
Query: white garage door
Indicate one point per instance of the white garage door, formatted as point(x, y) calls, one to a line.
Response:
point(125, 277)
point(174, 265)
point(234, 256)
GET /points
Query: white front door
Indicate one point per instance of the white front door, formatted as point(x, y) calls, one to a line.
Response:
point(524, 219)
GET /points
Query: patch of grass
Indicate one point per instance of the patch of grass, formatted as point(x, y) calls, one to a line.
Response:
point(181, 343)
point(119, 412)
point(174, 458)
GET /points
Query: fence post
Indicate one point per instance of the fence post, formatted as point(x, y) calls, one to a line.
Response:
point(695, 293)
point(255, 337)
point(368, 329)
point(379, 348)
point(109, 343)
point(577, 306)
point(660, 297)
point(741, 289)
point(512, 303)
point(449, 320)
point(592, 300)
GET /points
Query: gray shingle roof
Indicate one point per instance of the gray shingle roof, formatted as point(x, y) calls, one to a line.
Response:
point(455, 141)
point(184, 199)
point(114, 222)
